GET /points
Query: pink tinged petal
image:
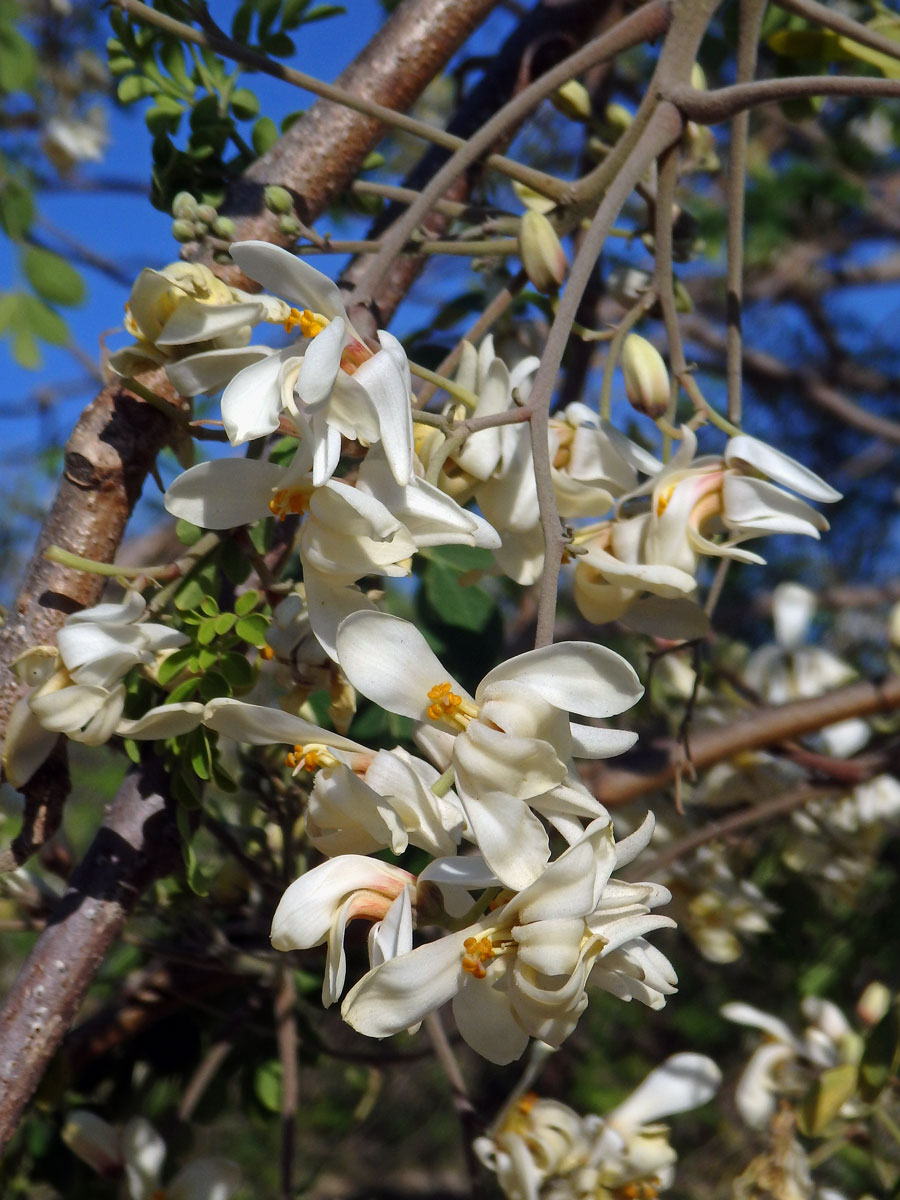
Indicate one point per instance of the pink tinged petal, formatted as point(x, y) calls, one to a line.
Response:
point(206, 373)
point(778, 466)
point(389, 661)
point(399, 993)
point(260, 725)
point(388, 387)
point(682, 1082)
point(392, 936)
point(27, 744)
point(321, 363)
point(283, 274)
point(512, 841)
point(574, 676)
point(206, 1179)
point(483, 1016)
point(590, 742)
point(756, 506)
point(225, 493)
point(164, 721)
point(94, 1141)
point(489, 760)
point(252, 402)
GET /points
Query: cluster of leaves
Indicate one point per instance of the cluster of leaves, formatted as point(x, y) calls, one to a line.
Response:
point(191, 82)
point(28, 317)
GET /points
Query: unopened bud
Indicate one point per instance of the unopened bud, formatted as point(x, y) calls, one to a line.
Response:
point(874, 1003)
point(698, 78)
point(94, 1141)
point(224, 227)
point(573, 101)
point(184, 207)
point(290, 226)
point(278, 199)
point(207, 214)
point(617, 116)
point(646, 377)
point(541, 251)
point(184, 231)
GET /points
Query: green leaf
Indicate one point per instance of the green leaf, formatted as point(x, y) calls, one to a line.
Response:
point(25, 350)
point(184, 691)
point(826, 1098)
point(267, 1085)
point(209, 606)
point(244, 104)
point(135, 87)
point(172, 58)
point(880, 1058)
point(253, 629)
point(278, 45)
point(460, 558)
point(172, 666)
point(238, 671)
point(235, 563)
point(16, 207)
point(321, 11)
point(9, 303)
point(206, 634)
point(224, 622)
point(195, 879)
point(52, 277)
point(240, 25)
point(465, 607)
point(264, 135)
point(190, 594)
point(246, 602)
point(42, 321)
point(213, 685)
point(292, 13)
point(17, 61)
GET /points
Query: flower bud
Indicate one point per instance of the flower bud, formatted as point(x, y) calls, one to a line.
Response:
point(224, 227)
point(184, 207)
point(698, 78)
point(289, 225)
point(94, 1142)
point(541, 251)
point(573, 101)
point(184, 231)
point(207, 214)
point(646, 377)
point(617, 117)
point(278, 199)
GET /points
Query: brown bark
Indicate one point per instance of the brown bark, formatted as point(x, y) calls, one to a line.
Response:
point(136, 844)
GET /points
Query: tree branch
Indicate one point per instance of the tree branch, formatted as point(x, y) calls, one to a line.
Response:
point(136, 844)
point(708, 108)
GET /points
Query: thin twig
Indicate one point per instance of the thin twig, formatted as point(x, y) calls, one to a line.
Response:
point(286, 1036)
point(708, 108)
point(469, 1120)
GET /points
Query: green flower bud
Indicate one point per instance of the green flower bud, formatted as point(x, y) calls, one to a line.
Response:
point(184, 231)
point(698, 78)
point(224, 227)
point(646, 377)
point(541, 252)
point(184, 207)
point(573, 101)
point(290, 226)
point(207, 214)
point(278, 199)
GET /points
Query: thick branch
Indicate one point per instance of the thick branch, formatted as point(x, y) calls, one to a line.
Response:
point(663, 759)
point(136, 844)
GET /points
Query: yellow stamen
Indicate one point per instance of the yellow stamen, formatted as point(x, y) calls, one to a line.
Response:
point(665, 496)
point(527, 1103)
point(311, 757)
point(448, 706)
point(312, 324)
point(287, 501)
point(478, 952)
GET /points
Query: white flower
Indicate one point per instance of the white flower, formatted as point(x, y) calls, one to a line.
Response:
point(361, 800)
point(544, 1149)
point(522, 970)
point(69, 140)
point(136, 1151)
point(513, 742)
point(78, 688)
point(318, 906)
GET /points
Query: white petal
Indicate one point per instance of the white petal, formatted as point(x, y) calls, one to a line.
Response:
point(754, 506)
point(205, 1179)
point(329, 603)
point(94, 1140)
point(682, 1082)
point(285, 275)
point(206, 373)
point(400, 992)
point(125, 612)
point(320, 366)
point(224, 493)
point(144, 1152)
point(392, 936)
point(26, 745)
point(260, 725)
point(780, 467)
point(69, 709)
point(590, 742)
point(388, 660)
point(194, 321)
point(252, 401)
point(747, 1014)
point(384, 381)
point(575, 676)
point(482, 1013)
point(164, 721)
point(512, 841)
point(793, 609)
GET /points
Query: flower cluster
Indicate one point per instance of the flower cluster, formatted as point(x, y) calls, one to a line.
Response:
point(520, 911)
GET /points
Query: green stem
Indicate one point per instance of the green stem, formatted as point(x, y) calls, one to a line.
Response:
point(441, 382)
point(442, 786)
point(90, 566)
